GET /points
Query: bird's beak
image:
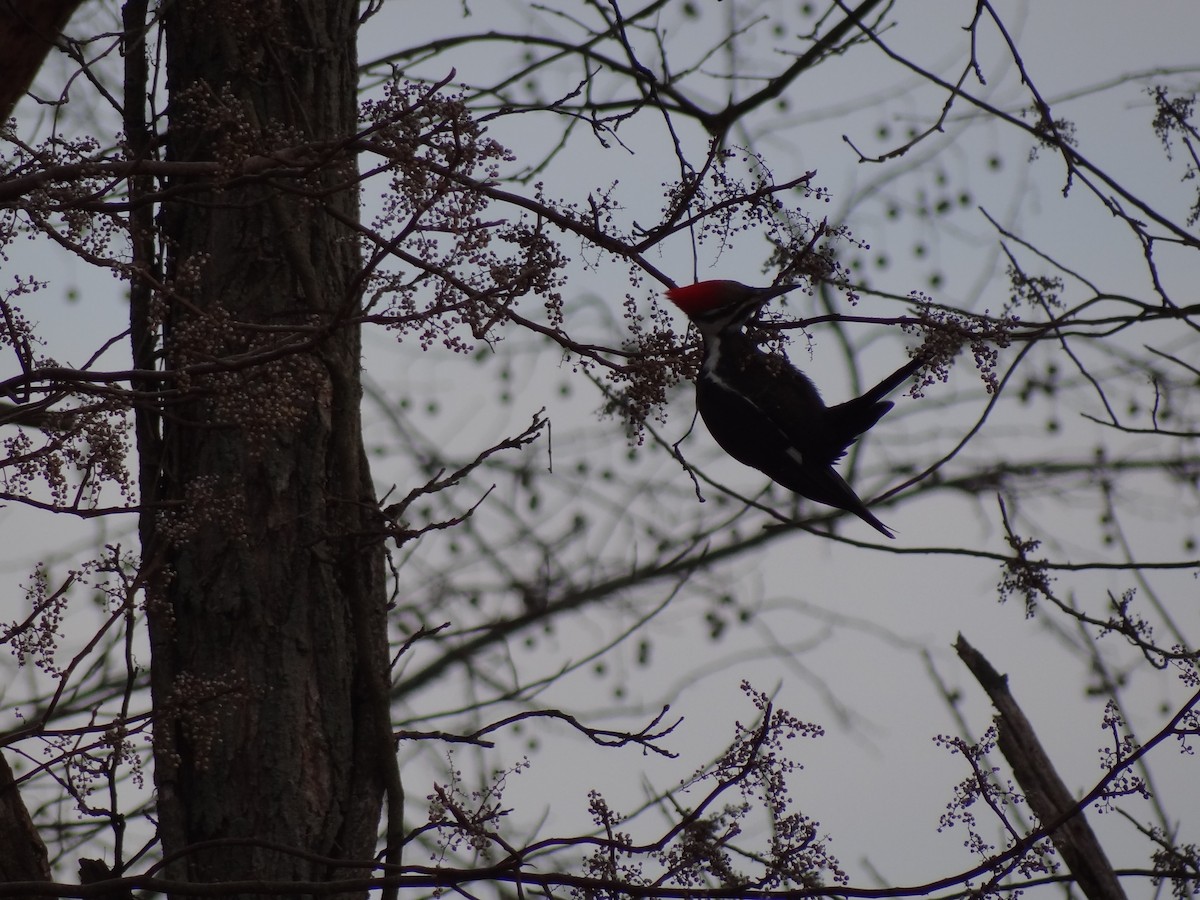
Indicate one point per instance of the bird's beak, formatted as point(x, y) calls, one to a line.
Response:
point(766, 294)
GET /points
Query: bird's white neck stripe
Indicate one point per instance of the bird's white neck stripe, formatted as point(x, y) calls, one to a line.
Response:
point(709, 369)
point(712, 354)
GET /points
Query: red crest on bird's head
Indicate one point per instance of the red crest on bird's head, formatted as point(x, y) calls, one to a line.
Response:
point(706, 296)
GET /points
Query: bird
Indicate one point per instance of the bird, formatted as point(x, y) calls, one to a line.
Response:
point(766, 413)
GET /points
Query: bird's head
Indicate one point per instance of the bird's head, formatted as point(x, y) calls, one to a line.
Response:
point(718, 305)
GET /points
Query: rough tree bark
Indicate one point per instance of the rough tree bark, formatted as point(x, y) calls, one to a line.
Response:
point(28, 29)
point(1045, 791)
point(268, 613)
point(24, 854)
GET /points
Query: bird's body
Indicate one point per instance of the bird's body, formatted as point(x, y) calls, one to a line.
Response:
point(766, 413)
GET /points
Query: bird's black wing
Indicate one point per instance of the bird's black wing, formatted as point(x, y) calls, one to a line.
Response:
point(763, 429)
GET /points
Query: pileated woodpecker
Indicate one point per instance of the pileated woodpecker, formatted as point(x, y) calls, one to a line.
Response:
point(765, 412)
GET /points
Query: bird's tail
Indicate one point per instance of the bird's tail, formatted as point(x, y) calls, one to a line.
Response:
point(893, 381)
point(852, 418)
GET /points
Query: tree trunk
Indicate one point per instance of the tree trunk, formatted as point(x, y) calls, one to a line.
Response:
point(28, 29)
point(24, 857)
point(267, 618)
